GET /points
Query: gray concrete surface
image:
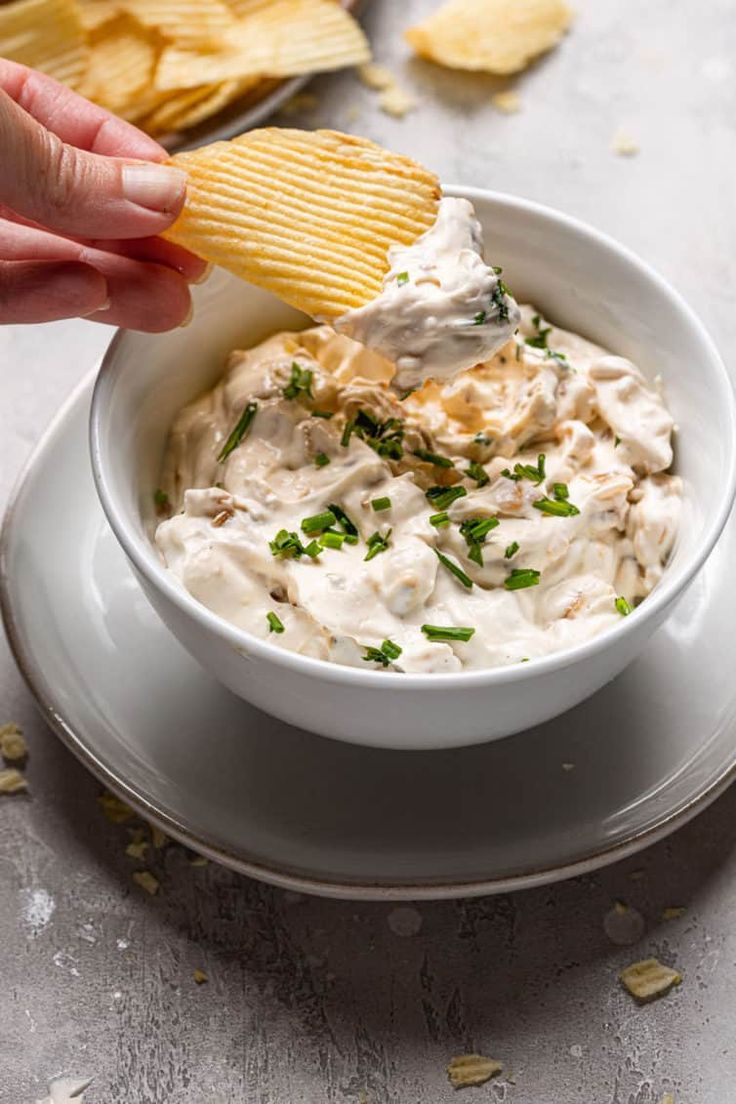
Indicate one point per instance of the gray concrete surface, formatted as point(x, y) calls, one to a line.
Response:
point(314, 1001)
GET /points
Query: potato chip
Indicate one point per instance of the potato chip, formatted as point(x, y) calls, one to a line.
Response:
point(189, 22)
point(94, 13)
point(284, 39)
point(121, 65)
point(491, 35)
point(46, 35)
point(308, 215)
point(194, 105)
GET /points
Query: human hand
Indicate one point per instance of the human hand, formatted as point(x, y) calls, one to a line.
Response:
point(81, 200)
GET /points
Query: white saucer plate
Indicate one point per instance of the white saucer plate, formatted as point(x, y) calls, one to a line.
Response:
point(622, 770)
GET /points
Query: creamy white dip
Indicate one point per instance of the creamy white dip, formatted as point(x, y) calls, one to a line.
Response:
point(442, 308)
point(595, 518)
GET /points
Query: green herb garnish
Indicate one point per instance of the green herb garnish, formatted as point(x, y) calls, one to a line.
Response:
point(477, 472)
point(244, 423)
point(555, 507)
point(482, 439)
point(479, 318)
point(440, 521)
point(331, 539)
point(343, 520)
point(433, 458)
point(275, 625)
point(312, 550)
point(560, 491)
point(521, 578)
point(616, 441)
point(318, 522)
point(527, 471)
point(511, 550)
point(161, 501)
point(475, 531)
point(454, 568)
point(381, 504)
point(402, 278)
point(321, 459)
point(384, 655)
point(385, 438)
point(446, 632)
point(498, 300)
point(623, 607)
point(442, 497)
point(326, 414)
point(539, 341)
point(377, 542)
point(347, 432)
point(287, 545)
point(497, 269)
point(300, 383)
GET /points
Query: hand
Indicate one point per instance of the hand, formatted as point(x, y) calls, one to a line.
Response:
point(81, 200)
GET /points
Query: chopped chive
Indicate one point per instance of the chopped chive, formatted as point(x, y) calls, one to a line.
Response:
point(511, 550)
point(479, 318)
point(342, 519)
point(377, 542)
point(287, 545)
point(275, 625)
point(380, 504)
point(318, 522)
point(527, 471)
point(375, 655)
point(350, 538)
point(161, 502)
point(433, 458)
point(312, 550)
point(244, 423)
point(440, 521)
point(442, 497)
point(300, 384)
point(623, 607)
point(321, 459)
point(405, 394)
point(454, 569)
point(347, 432)
point(435, 633)
point(331, 539)
point(482, 439)
point(498, 300)
point(539, 341)
point(402, 278)
point(475, 553)
point(477, 472)
point(327, 414)
point(497, 269)
point(616, 441)
point(475, 530)
point(393, 651)
point(221, 486)
point(555, 508)
point(560, 491)
point(521, 578)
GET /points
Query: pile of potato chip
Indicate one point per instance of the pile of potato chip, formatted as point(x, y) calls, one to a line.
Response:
point(168, 65)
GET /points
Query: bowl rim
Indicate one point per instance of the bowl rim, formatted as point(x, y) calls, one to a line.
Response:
point(142, 554)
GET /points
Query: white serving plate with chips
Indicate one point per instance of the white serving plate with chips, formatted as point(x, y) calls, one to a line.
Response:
point(247, 113)
point(622, 770)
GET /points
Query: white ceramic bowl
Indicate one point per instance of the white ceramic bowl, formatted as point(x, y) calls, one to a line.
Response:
point(576, 276)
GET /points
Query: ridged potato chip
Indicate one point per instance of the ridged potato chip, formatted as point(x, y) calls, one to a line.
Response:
point(94, 13)
point(46, 35)
point(308, 215)
point(496, 36)
point(121, 64)
point(284, 39)
point(189, 22)
point(194, 105)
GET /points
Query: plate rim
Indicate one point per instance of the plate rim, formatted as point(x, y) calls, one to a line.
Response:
point(447, 889)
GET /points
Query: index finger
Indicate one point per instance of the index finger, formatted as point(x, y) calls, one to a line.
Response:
point(74, 119)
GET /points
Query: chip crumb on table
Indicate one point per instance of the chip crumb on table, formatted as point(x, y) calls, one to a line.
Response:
point(200, 977)
point(472, 1069)
point(624, 144)
point(673, 913)
point(508, 102)
point(12, 781)
point(114, 809)
point(649, 979)
point(13, 746)
point(146, 880)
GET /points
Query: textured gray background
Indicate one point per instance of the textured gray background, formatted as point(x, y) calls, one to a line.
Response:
point(311, 1000)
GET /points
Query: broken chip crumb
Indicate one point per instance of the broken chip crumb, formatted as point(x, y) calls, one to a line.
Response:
point(137, 849)
point(146, 880)
point(159, 839)
point(649, 979)
point(12, 781)
point(12, 744)
point(302, 101)
point(397, 102)
point(200, 977)
point(375, 76)
point(116, 811)
point(668, 1098)
point(472, 1069)
point(624, 144)
point(509, 102)
point(673, 913)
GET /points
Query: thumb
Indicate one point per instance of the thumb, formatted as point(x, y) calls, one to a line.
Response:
point(80, 193)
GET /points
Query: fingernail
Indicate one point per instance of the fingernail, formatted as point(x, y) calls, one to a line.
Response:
point(188, 319)
point(98, 310)
point(205, 275)
point(156, 187)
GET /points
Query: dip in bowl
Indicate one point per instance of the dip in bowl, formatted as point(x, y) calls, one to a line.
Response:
point(581, 281)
